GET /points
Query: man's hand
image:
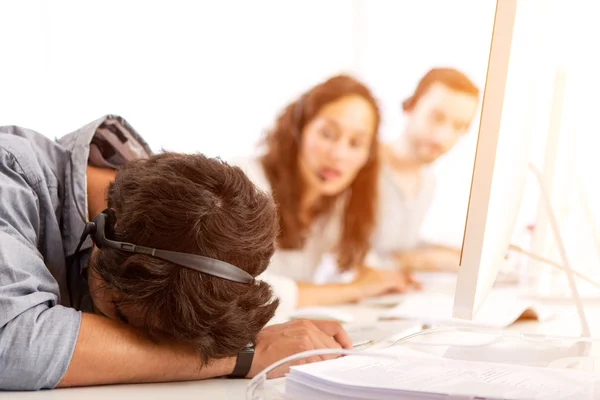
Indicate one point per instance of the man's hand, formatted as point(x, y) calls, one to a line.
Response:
point(277, 342)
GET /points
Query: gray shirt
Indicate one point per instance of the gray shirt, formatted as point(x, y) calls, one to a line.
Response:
point(42, 282)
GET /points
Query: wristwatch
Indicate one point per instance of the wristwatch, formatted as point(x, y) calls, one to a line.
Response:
point(243, 363)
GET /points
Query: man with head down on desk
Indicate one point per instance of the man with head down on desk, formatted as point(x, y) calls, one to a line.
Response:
point(119, 266)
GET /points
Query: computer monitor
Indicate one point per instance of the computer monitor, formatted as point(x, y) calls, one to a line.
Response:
point(502, 160)
point(499, 174)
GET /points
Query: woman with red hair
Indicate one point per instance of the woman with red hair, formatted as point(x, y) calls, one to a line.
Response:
point(320, 162)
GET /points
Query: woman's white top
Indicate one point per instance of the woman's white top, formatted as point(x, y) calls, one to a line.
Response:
point(399, 220)
point(289, 266)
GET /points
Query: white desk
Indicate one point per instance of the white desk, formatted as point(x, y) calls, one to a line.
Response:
point(566, 324)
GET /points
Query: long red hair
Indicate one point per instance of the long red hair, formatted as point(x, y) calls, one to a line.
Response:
point(280, 163)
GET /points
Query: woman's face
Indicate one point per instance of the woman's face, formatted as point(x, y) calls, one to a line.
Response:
point(336, 143)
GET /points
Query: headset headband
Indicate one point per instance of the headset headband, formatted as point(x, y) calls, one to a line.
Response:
point(221, 269)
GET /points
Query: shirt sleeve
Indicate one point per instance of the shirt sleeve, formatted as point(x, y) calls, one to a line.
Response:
point(37, 336)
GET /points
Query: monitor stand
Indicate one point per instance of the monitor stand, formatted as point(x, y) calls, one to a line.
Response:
point(566, 267)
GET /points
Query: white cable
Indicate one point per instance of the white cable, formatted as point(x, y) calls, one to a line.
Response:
point(259, 381)
point(520, 250)
point(585, 328)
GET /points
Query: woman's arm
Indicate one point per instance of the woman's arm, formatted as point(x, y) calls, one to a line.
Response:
point(429, 258)
point(369, 282)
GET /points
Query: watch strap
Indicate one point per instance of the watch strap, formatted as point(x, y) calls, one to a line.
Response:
point(243, 362)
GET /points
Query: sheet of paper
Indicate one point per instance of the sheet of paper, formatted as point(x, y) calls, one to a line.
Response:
point(500, 310)
point(367, 377)
point(382, 333)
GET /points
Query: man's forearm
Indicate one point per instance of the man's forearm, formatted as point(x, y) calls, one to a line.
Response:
point(108, 352)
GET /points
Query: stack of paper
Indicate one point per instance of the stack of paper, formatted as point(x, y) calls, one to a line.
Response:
point(501, 309)
point(411, 376)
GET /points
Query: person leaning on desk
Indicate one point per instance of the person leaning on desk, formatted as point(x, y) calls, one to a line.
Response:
point(320, 162)
point(438, 114)
point(77, 312)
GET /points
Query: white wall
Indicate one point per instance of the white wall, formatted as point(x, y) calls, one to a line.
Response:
point(211, 76)
point(190, 76)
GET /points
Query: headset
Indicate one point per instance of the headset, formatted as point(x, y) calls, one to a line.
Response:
point(101, 229)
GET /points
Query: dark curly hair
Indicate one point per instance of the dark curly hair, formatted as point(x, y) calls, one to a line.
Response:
point(193, 204)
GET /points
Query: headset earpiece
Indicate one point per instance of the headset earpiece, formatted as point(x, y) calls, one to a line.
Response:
point(109, 226)
point(103, 227)
point(90, 229)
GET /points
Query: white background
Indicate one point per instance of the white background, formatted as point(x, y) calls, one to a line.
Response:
point(212, 76)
